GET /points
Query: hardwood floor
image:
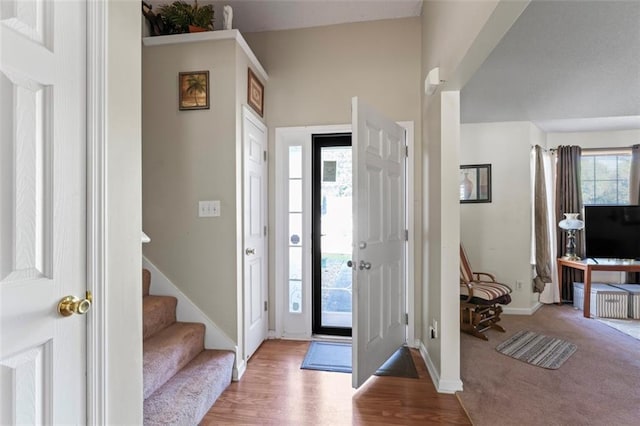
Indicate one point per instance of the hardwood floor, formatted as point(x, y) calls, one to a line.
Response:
point(275, 391)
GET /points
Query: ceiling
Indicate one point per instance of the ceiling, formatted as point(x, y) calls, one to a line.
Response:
point(564, 65)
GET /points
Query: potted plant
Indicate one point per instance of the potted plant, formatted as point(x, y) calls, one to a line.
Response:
point(183, 17)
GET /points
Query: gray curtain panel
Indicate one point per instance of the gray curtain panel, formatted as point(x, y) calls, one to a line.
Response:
point(634, 195)
point(569, 200)
point(541, 226)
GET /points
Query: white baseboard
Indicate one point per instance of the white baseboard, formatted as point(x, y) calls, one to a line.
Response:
point(522, 311)
point(442, 386)
point(187, 311)
point(239, 369)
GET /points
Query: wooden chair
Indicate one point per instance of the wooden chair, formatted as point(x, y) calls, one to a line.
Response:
point(480, 299)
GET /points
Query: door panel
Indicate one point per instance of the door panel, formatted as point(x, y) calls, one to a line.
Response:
point(255, 242)
point(379, 247)
point(42, 211)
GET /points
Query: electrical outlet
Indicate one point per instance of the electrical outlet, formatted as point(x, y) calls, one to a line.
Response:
point(518, 285)
point(433, 329)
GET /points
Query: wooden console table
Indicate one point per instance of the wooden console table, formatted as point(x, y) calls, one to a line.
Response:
point(588, 265)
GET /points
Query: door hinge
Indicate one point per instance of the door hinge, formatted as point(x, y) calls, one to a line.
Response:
point(265, 230)
point(406, 319)
point(406, 150)
point(406, 235)
point(266, 305)
point(264, 155)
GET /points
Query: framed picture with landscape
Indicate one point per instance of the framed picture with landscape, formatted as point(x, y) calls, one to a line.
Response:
point(475, 183)
point(193, 90)
point(255, 93)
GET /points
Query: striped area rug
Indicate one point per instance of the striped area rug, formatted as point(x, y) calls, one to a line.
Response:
point(537, 349)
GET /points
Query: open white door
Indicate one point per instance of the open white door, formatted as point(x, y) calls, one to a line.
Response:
point(42, 212)
point(255, 236)
point(379, 252)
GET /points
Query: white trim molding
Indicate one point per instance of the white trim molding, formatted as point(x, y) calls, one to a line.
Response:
point(442, 386)
point(97, 322)
point(209, 35)
point(521, 311)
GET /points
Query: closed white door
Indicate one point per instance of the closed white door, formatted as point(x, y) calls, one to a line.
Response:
point(42, 211)
point(379, 242)
point(255, 231)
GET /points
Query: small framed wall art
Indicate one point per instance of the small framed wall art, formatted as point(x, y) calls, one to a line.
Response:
point(475, 183)
point(193, 90)
point(255, 93)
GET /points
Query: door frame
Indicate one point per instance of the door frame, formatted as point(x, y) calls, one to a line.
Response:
point(96, 212)
point(284, 136)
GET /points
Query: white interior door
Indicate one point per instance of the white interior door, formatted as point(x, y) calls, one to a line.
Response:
point(379, 245)
point(42, 211)
point(255, 231)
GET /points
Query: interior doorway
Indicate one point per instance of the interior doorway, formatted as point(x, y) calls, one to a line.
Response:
point(332, 233)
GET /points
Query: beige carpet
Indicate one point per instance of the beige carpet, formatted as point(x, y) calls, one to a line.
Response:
point(627, 326)
point(598, 385)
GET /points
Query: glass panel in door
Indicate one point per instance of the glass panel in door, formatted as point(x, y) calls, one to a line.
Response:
point(334, 227)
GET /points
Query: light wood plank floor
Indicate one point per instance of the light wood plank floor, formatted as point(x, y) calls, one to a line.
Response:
point(275, 391)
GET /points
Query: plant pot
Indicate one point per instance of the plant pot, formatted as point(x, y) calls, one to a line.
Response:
point(195, 29)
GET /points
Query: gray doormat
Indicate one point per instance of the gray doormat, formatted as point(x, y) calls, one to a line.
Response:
point(537, 349)
point(333, 356)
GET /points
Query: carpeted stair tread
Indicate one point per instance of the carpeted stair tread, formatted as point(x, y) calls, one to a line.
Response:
point(146, 282)
point(187, 396)
point(159, 312)
point(165, 353)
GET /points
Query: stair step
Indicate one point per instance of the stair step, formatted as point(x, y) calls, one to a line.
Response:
point(159, 312)
point(146, 282)
point(165, 353)
point(187, 396)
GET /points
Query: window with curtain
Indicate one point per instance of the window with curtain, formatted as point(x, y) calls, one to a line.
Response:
point(605, 176)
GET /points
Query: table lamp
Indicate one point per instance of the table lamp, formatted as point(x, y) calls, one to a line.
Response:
point(571, 224)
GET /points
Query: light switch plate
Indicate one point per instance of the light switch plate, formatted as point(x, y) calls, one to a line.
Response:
point(209, 208)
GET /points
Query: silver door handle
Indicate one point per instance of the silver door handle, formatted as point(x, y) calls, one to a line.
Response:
point(365, 265)
point(250, 251)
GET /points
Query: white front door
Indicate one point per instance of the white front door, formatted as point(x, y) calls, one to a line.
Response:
point(254, 139)
point(42, 211)
point(379, 245)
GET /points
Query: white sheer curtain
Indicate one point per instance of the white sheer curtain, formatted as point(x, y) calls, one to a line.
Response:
point(551, 293)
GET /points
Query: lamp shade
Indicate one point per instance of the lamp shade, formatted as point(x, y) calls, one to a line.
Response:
point(571, 222)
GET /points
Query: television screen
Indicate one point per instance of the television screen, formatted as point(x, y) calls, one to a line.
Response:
point(612, 232)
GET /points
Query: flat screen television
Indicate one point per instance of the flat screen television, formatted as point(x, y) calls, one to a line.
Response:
point(612, 231)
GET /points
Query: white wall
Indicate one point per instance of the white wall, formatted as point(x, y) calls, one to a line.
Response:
point(497, 235)
point(123, 215)
point(608, 139)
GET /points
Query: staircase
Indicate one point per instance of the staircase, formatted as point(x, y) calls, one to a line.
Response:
point(181, 378)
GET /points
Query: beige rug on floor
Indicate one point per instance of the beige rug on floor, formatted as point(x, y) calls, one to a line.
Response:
point(627, 326)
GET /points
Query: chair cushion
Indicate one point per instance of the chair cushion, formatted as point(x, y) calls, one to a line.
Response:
point(485, 290)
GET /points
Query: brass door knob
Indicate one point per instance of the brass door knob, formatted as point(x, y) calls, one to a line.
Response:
point(70, 305)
